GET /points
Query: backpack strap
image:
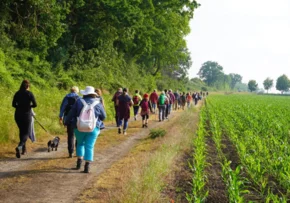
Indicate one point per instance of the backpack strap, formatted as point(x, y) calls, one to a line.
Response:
point(84, 102)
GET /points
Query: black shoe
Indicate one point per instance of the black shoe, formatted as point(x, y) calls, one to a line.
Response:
point(119, 131)
point(17, 152)
point(79, 163)
point(24, 150)
point(143, 126)
point(87, 167)
point(146, 125)
point(70, 155)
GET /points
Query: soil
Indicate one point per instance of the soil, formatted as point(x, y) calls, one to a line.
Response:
point(42, 176)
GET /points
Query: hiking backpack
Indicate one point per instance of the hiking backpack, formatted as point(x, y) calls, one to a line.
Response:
point(136, 100)
point(145, 105)
point(161, 99)
point(70, 102)
point(86, 122)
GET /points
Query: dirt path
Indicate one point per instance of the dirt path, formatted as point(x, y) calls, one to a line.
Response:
point(48, 177)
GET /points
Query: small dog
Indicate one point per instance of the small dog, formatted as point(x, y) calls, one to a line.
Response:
point(53, 144)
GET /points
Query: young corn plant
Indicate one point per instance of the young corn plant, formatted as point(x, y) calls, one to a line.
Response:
point(198, 192)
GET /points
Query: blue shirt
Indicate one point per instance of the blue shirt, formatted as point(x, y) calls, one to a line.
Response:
point(65, 102)
point(76, 110)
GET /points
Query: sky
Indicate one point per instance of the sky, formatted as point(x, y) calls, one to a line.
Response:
point(248, 37)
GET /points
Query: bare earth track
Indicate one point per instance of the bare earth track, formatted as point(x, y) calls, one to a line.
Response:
point(39, 175)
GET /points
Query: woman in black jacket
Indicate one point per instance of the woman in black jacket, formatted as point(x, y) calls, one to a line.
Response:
point(23, 101)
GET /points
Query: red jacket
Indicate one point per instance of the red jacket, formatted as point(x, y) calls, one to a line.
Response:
point(153, 97)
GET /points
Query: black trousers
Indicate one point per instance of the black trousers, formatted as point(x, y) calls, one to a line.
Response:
point(23, 122)
point(116, 116)
point(70, 139)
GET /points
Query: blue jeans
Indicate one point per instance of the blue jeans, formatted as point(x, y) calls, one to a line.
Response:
point(154, 106)
point(136, 108)
point(125, 124)
point(162, 112)
point(86, 143)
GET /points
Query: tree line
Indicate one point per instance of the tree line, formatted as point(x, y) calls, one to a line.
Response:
point(137, 44)
point(282, 84)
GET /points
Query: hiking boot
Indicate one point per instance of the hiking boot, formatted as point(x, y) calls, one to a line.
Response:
point(119, 130)
point(24, 150)
point(87, 167)
point(17, 152)
point(79, 163)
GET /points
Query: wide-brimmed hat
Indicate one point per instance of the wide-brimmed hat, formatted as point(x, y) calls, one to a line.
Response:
point(88, 90)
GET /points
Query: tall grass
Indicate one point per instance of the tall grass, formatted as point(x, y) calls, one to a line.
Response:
point(47, 111)
point(149, 180)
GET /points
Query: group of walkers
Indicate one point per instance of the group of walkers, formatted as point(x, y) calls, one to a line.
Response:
point(83, 116)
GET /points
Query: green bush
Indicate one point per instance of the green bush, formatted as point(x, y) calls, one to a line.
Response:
point(154, 133)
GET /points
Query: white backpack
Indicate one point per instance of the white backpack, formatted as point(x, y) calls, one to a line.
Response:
point(86, 122)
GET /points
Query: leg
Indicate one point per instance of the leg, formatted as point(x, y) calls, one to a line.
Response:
point(119, 126)
point(90, 140)
point(80, 136)
point(143, 121)
point(116, 115)
point(70, 140)
point(125, 126)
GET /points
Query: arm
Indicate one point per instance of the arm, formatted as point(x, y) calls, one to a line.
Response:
point(62, 106)
point(14, 103)
point(150, 106)
point(33, 101)
point(101, 112)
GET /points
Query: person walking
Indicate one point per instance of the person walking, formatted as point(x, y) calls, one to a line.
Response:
point(114, 99)
point(65, 107)
point(124, 102)
point(188, 99)
point(183, 100)
point(99, 96)
point(162, 100)
point(146, 106)
point(153, 99)
point(86, 140)
point(136, 102)
point(167, 103)
point(172, 100)
point(176, 101)
point(23, 102)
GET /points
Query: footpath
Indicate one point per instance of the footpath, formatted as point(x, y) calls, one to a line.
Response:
point(42, 176)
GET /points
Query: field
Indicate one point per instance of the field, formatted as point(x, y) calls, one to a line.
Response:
point(250, 136)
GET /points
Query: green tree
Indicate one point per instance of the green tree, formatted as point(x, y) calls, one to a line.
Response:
point(268, 84)
point(283, 83)
point(252, 85)
point(236, 78)
point(210, 72)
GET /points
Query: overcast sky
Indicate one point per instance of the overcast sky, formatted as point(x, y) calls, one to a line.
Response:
point(248, 37)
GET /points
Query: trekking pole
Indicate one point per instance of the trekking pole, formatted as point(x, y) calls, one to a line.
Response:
point(40, 124)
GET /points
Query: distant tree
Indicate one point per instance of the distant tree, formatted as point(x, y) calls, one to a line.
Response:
point(268, 84)
point(252, 85)
point(283, 83)
point(210, 72)
point(236, 78)
point(241, 87)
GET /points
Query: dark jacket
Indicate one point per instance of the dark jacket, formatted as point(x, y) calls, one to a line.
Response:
point(23, 101)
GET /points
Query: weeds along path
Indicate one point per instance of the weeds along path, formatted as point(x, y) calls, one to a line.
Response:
point(48, 177)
